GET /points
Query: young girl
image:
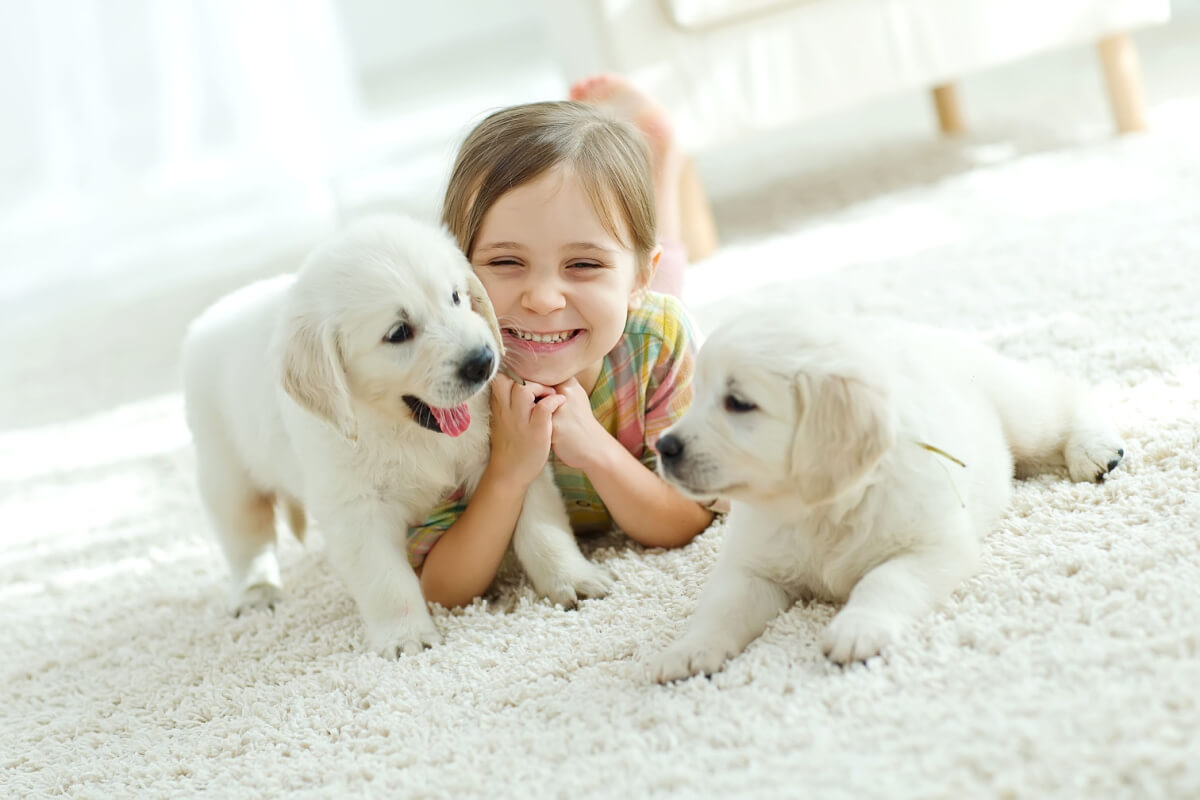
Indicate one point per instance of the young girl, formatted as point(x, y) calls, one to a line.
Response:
point(555, 205)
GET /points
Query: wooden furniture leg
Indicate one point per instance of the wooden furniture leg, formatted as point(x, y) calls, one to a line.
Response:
point(1119, 59)
point(697, 224)
point(949, 112)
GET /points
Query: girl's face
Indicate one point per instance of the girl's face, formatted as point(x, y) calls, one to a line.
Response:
point(560, 283)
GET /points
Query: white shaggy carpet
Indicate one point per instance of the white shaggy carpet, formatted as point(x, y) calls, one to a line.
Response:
point(1069, 667)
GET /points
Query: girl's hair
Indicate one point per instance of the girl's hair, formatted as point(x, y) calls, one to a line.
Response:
point(516, 145)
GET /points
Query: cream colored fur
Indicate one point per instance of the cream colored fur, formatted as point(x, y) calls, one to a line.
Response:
point(825, 432)
point(295, 398)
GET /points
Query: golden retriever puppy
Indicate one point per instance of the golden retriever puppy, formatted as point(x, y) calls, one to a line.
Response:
point(355, 390)
point(864, 460)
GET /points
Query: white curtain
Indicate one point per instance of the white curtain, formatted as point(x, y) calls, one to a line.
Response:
point(118, 109)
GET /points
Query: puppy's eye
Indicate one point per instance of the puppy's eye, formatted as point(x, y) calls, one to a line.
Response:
point(737, 405)
point(455, 298)
point(399, 333)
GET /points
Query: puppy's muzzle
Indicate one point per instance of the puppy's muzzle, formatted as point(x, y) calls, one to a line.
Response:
point(670, 452)
point(477, 367)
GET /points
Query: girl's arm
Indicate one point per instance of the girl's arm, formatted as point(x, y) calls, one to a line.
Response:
point(646, 507)
point(464, 560)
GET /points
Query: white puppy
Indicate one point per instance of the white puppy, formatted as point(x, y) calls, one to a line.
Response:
point(865, 459)
point(355, 389)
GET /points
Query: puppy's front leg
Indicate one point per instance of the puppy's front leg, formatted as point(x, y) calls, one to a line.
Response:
point(548, 552)
point(891, 596)
point(734, 608)
point(361, 542)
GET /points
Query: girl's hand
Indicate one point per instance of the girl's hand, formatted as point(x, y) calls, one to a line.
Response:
point(521, 428)
point(577, 434)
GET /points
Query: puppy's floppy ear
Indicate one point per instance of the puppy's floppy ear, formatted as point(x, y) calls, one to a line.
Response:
point(314, 373)
point(482, 306)
point(845, 428)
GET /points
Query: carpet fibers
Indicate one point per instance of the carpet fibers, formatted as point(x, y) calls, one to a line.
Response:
point(1069, 666)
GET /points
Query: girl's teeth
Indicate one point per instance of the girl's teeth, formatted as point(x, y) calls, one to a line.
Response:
point(548, 338)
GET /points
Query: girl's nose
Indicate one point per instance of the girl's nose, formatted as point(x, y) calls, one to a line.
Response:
point(543, 296)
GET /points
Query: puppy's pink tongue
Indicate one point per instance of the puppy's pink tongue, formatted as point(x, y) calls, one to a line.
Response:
point(452, 421)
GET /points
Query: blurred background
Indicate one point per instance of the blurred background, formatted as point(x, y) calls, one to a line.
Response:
point(157, 154)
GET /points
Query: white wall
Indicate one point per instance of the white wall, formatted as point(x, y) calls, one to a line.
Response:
point(384, 33)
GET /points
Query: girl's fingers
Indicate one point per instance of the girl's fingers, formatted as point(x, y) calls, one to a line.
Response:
point(568, 385)
point(508, 396)
point(537, 391)
point(527, 396)
point(516, 395)
point(502, 387)
point(546, 408)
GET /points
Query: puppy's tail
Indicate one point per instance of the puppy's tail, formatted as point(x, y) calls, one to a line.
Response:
point(296, 518)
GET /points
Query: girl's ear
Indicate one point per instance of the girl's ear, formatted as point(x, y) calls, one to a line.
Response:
point(655, 257)
point(645, 277)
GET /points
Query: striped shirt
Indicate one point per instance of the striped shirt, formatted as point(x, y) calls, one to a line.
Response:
point(645, 385)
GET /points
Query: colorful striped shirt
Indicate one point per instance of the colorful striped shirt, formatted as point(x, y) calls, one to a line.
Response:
point(645, 385)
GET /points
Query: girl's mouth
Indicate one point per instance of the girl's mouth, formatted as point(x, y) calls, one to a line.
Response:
point(536, 342)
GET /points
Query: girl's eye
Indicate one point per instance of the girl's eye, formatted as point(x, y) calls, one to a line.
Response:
point(399, 333)
point(736, 405)
point(454, 297)
point(585, 265)
point(503, 262)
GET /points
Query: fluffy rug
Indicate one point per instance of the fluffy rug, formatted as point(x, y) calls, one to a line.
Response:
point(1070, 666)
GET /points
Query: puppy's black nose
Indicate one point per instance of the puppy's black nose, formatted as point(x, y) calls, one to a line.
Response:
point(670, 447)
point(478, 366)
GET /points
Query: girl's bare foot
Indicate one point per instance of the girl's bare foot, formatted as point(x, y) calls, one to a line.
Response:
point(625, 101)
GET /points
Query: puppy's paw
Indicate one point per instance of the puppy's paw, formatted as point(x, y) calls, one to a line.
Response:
point(1092, 454)
point(402, 639)
point(584, 579)
point(684, 659)
point(259, 597)
point(857, 634)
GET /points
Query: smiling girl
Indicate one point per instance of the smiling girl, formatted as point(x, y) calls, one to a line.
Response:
point(555, 205)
